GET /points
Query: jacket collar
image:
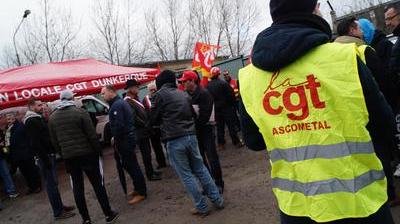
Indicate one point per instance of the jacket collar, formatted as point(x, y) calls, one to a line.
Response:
point(116, 98)
point(349, 40)
point(31, 114)
point(169, 85)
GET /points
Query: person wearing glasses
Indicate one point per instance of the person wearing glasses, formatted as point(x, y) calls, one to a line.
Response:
point(392, 18)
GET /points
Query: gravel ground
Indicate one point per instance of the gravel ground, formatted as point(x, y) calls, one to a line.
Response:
point(248, 196)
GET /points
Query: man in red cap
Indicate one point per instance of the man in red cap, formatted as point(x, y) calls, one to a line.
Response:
point(224, 99)
point(203, 105)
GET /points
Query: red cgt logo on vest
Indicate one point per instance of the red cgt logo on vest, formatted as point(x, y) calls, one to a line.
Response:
point(297, 110)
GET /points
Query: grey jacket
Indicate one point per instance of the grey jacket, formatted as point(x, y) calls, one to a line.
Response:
point(172, 109)
point(72, 132)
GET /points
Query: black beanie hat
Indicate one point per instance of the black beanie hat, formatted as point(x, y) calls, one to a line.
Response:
point(282, 8)
point(166, 76)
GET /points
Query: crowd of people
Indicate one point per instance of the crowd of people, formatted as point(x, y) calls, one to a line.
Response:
point(183, 121)
point(341, 171)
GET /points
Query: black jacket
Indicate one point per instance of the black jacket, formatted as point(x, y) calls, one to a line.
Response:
point(222, 92)
point(383, 48)
point(141, 118)
point(38, 133)
point(121, 120)
point(283, 43)
point(204, 100)
point(72, 132)
point(172, 110)
point(394, 63)
point(19, 143)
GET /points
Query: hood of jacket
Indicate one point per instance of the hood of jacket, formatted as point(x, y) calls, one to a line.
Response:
point(30, 114)
point(289, 39)
point(66, 103)
point(350, 40)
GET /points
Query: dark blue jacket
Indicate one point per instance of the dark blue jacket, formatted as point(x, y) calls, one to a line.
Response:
point(121, 119)
point(282, 44)
point(19, 143)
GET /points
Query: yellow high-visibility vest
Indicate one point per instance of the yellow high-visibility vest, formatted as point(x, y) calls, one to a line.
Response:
point(313, 117)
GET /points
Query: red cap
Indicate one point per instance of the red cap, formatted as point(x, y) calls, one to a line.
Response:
point(188, 75)
point(215, 71)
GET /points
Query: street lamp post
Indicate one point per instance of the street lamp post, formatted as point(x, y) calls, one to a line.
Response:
point(26, 13)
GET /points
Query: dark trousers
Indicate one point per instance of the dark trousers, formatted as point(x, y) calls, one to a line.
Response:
point(227, 117)
point(93, 168)
point(30, 172)
point(145, 149)
point(126, 151)
point(157, 147)
point(382, 216)
point(50, 176)
point(206, 139)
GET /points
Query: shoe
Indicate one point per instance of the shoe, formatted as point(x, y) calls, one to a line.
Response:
point(64, 215)
point(220, 206)
point(68, 208)
point(394, 203)
point(133, 194)
point(154, 177)
point(35, 191)
point(196, 212)
point(137, 199)
point(112, 218)
point(87, 222)
point(13, 195)
point(397, 172)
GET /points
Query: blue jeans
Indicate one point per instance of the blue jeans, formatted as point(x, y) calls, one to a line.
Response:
point(50, 177)
point(185, 157)
point(5, 175)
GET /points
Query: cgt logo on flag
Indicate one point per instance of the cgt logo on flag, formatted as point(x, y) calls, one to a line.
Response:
point(204, 56)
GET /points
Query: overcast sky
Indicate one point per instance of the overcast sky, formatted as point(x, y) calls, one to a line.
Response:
point(11, 12)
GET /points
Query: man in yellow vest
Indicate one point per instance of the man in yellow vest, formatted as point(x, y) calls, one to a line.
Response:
point(319, 112)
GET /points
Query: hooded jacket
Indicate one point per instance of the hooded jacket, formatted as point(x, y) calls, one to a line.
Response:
point(283, 43)
point(72, 132)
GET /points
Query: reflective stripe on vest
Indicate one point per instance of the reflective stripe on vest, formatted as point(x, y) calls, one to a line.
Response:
point(319, 151)
point(313, 118)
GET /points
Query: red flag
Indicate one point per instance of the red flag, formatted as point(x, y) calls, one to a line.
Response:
point(204, 56)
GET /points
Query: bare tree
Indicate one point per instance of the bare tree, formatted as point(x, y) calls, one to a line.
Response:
point(238, 24)
point(108, 42)
point(153, 29)
point(50, 35)
point(175, 25)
